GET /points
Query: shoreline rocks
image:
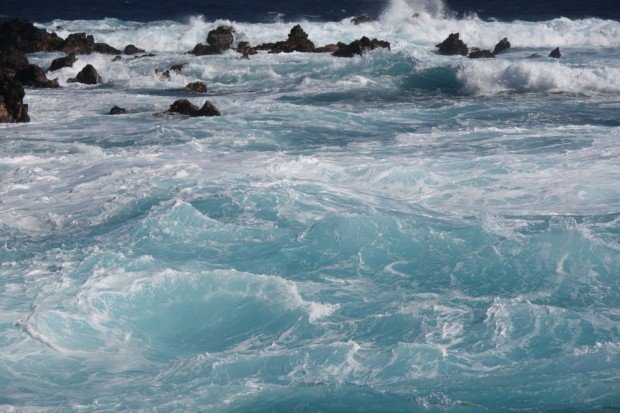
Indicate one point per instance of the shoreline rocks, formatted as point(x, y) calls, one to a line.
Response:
point(89, 76)
point(555, 53)
point(453, 45)
point(501, 46)
point(185, 107)
point(476, 53)
point(116, 110)
point(297, 41)
point(34, 76)
point(358, 47)
point(196, 87)
point(12, 107)
point(66, 61)
point(130, 49)
point(218, 41)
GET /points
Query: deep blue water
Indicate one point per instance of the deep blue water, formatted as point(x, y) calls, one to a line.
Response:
point(261, 11)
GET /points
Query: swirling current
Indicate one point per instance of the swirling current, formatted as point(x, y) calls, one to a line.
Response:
point(397, 232)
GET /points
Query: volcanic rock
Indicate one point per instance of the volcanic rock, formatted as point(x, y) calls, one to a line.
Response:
point(66, 61)
point(131, 49)
point(13, 59)
point(12, 107)
point(477, 54)
point(329, 48)
point(185, 107)
point(503, 45)
point(555, 53)
point(80, 43)
point(117, 111)
point(198, 87)
point(218, 41)
point(359, 47)
point(34, 76)
point(25, 37)
point(453, 46)
point(297, 42)
point(89, 76)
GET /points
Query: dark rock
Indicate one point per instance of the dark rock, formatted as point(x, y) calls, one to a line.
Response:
point(66, 61)
point(80, 43)
point(221, 38)
point(534, 56)
point(117, 111)
point(503, 45)
point(198, 87)
point(362, 19)
point(185, 107)
point(245, 49)
point(131, 49)
point(336, 18)
point(178, 67)
point(359, 47)
point(117, 58)
point(453, 46)
point(25, 37)
point(477, 54)
point(89, 76)
point(218, 41)
point(34, 76)
point(12, 107)
point(12, 58)
point(330, 48)
point(555, 53)
point(297, 42)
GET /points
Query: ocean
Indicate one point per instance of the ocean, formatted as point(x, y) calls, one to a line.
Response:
point(401, 231)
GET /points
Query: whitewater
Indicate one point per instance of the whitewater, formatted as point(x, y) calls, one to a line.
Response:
point(397, 232)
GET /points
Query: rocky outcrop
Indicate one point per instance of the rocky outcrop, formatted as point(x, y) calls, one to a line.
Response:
point(555, 53)
point(329, 48)
point(25, 37)
point(66, 61)
point(360, 46)
point(34, 76)
point(185, 107)
point(453, 45)
point(218, 41)
point(13, 60)
point(364, 18)
point(166, 73)
point(478, 53)
point(245, 49)
point(131, 49)
point(197, 87)
point(80, 43)
point(117, 111)
point(12, 107)
point(502, 46)
point(297, 42)
point(89, 76)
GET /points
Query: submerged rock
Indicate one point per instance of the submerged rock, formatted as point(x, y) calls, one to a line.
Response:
point(185, 107)
point(297, 42)
point(555, 53)
point(501, 46)
point(198, 87)
point(360, 46)
point(117, 58)
point(34, 76)
point(131, 49)
point(117, 111)
point(89, 76)
point(25, 37)
point(12, 107)
point(477, 54)
point(66, 61)
point(453, 45)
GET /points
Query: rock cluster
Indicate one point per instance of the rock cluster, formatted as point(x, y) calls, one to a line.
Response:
point(218, 41)
point(360, 46)
point(185, 107)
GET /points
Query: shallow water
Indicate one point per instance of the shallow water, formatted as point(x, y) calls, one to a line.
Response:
point(401, 231)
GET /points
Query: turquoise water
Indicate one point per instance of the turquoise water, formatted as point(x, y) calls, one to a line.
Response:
point(401, 231)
